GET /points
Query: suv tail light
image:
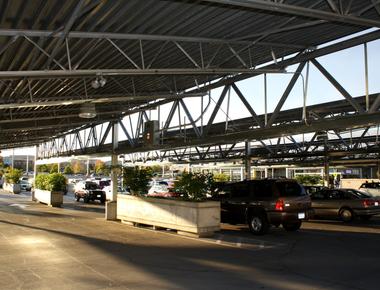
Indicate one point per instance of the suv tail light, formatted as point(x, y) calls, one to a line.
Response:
point(368, 202)
point(279, 205)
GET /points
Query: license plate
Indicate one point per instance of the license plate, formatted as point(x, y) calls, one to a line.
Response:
point(301, 215)
point(376, 203)
point(98, 195)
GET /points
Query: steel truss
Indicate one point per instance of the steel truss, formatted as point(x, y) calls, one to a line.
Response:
point(42, 91)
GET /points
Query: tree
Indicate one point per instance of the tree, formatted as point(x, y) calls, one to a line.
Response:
point(100, 167)
point(68, 169)
point(195, 185)
point(78, 167)
point(13, 175)
point(54, 168)
point(221, 177)
point(42, 168)
point(137, 179)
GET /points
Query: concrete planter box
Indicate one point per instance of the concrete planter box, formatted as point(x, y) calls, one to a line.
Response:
point(196, 218)
point(11, 187)
point(51, 198)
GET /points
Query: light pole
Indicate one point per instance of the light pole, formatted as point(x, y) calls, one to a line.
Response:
point(122, 157)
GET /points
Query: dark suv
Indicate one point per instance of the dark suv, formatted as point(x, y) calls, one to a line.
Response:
point(261, 203)
point(89, 190)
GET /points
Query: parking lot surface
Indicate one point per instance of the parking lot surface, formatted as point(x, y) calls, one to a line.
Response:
point(73, 247)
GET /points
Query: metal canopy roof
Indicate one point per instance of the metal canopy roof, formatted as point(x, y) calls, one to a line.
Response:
point(148, 51)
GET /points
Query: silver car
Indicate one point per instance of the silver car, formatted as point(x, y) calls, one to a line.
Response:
point(372, 188)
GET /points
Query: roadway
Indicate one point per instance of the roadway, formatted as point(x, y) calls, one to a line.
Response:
point(73, 247)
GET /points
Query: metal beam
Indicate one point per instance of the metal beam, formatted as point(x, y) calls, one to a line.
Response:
point(286, 94)
point(49, 74)
point(288, 9)
point(130, 36)
point(100, 100)
point(247, 105)
point(371, 36)
point(338, 86)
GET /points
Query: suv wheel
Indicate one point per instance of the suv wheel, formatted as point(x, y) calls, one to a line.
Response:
point(86, 199)
point(258, 224)
point(77, 197)
point(346, 215)
point(292, 227)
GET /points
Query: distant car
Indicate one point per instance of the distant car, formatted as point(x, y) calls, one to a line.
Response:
point(346, 204)
point(372, 188)
point(261, 203)
point(161, 188)
point(25, 185)
point(89, 191)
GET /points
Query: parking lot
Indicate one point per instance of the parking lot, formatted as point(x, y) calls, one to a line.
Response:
point(73, 247)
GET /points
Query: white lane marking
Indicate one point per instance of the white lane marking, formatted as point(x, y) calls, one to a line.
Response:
point(22, 206)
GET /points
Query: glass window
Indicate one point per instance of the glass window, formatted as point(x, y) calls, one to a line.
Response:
point(263, 189)
point(240, 190)
point(287, 189)
point(335, 194)
point(319, 195)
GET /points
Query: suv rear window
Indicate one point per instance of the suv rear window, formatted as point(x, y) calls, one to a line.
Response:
point(287, 189)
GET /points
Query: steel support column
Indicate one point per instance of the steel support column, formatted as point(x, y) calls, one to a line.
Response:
point(247, 160)
point(111, 205)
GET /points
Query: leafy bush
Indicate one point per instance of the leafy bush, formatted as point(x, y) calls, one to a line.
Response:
point(309, 179)
point(68, 170)
point(54, 168)
point(137, 179)
point(195, 186)
point(221, 177)
point(13, 175)
point(51, 182)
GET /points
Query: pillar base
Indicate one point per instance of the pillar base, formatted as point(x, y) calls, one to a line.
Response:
point(111, 212)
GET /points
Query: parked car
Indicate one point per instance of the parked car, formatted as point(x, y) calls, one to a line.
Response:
point(372, 188)
point(345, 204)
point(25, 185)
point(120, 190)
point(261, 203)
point(161, 188)
point(89, 190)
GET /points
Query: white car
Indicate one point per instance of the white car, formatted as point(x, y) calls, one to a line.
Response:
point(108, 191)
point(372, 188)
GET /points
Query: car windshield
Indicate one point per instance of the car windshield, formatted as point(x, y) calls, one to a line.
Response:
point(91, 185)
point(287, 189)
point(358, 193)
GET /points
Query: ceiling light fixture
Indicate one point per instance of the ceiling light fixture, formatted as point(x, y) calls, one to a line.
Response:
point(87, 111)
point(99, 82)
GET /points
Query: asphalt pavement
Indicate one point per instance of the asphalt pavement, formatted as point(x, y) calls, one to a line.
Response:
point(73, 247)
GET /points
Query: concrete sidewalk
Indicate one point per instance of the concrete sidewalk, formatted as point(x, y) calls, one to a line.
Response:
point(75, 248)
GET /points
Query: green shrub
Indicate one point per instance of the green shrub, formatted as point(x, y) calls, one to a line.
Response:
point(221, 177)
point(51, 182)
point(68, 170)
point(137, 179)
point(13, 175)
point(309, 179)
point(195, 186)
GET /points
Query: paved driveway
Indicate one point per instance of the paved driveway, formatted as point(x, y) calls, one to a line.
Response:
point(75, 248)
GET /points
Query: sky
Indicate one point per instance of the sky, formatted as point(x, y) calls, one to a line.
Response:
point(346, 66)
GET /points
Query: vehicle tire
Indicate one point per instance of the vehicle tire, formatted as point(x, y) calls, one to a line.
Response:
point(86, 199)
point(292, 227)
point(365, 217)
point(102, 200)
point(77, 197)
point(346, 215)
point(258, 224)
